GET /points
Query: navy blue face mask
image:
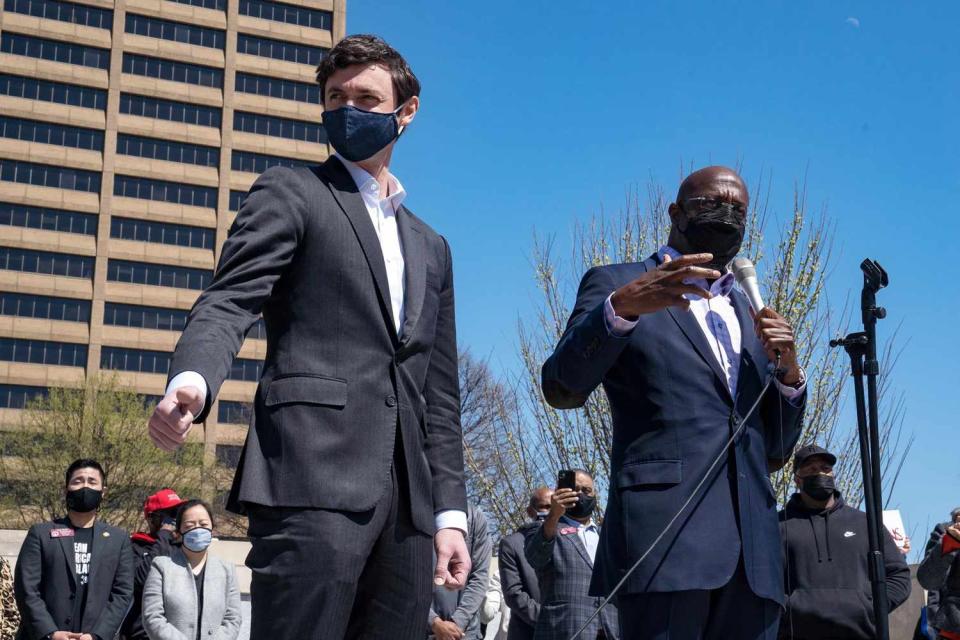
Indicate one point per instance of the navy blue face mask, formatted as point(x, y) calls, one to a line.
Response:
point(357, 134)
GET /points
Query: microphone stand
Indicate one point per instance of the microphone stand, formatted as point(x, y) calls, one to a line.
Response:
point(862, 349)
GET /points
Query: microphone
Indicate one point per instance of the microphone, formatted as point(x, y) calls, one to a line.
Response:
point(746, 275)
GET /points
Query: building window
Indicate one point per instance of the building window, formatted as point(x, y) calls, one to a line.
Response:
point(259, 162)
point(170, 70)
point(234, 412)
point(54, 50)
point(140, 360)
point(44, 307)
point(279, 127)
point(47, 176)
point(217, 5)
point(158, 275)
point(61, 93)
point(176, 31)
point(18, 396)
point(289, 13)
point(228, 455)
point(276, 88)
point(20, 215)
point(236, 199)
point(169, 110)
point(64, 354)
point(46, 262)
point(162, 233)
point(63, 11)
point(46, 133)
point(165, 150)
point(146, 189)
point(246, 370)
point(279, 50)
point(128, 315)
point(258, 330)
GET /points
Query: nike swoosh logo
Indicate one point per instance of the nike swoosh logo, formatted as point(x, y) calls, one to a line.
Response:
point(849, 534)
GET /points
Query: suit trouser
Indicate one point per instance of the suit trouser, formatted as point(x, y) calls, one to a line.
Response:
point(732, 612)
point(325, 574)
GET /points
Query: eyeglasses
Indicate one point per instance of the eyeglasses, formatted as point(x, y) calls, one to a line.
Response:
point(705, 203)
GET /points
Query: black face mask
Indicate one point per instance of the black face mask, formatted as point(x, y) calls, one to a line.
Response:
point(819, 487)
point(718, 231)
point(84, 500)
point(584, 507)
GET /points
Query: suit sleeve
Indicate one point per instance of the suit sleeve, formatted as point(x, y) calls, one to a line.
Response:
point(261, 244)
point(154, 617)
point(229, 628)
point(933, 571)
point(121, 595)
point(539, 550)
point(479, 579)
point(35, 619)
point(587, 349)
point(521, 603)
point(898, 573)
point(782, 424)
point(444, 444)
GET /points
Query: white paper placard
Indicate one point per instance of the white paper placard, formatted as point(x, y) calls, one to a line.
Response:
point(893, 521)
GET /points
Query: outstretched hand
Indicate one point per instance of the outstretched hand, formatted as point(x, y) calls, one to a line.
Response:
point(664, 286)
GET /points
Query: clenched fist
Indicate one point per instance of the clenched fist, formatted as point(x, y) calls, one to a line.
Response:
point(173, 417)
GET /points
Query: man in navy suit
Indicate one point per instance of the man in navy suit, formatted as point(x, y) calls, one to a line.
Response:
point(683, 358)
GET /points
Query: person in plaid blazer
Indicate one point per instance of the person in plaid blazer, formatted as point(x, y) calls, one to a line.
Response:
point(562, 551)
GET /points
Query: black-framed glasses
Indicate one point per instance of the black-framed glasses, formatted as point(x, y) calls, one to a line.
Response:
point(706, 203)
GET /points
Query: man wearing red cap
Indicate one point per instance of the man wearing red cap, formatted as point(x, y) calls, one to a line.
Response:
point(160, 512)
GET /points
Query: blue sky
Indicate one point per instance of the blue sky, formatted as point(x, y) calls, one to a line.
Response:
point(534, 114)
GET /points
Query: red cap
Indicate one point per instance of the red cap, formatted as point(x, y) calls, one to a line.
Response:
point(161, 500)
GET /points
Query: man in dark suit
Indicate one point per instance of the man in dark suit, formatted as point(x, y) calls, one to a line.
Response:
point(74, 576)
point(354, 461)
point(562, 550)
point(518, 579)
point(682, 359)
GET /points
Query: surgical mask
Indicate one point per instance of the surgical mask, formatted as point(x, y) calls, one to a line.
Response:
point(718, 231)
point(198, 539)
point(819, 487)
point(357, 134)
point(542, 515)
point(584, 507)
point(84, 500)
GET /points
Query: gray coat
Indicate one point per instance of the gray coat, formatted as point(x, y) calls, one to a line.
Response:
point(941, 572)
point(170, 600)
point(564, 570)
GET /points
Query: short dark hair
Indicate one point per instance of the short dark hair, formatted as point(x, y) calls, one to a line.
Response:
point(84, 463)
point(189, 504)
point(368, 49)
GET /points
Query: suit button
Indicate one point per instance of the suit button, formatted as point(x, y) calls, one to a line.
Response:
point(391, 401)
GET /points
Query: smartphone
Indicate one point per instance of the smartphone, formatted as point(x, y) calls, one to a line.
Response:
point(567, 479)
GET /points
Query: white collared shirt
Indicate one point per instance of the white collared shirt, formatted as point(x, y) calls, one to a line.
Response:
point(588, 533)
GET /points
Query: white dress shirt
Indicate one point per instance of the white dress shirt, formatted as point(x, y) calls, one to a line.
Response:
point(718, 321)
point(588, 533)
point(383, 215)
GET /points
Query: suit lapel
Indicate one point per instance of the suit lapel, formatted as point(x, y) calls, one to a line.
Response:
point(414, 260)
point(97, 545)
point(694, 332)
point(579, 546)
point(751, 351)
point(348, 197)
point(66, 545)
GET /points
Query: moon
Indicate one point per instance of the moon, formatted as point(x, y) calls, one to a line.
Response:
point(853, 22)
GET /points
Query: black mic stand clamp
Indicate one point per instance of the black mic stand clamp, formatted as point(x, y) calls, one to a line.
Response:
point(862, 349)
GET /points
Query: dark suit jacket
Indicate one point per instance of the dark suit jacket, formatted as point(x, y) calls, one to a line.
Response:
point(45, 581)
point(672, 413)
point(564, 569)
point(518, 580)
point(339, 379)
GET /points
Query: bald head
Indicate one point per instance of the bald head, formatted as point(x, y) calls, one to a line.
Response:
point(539, 501)
point(714, 182)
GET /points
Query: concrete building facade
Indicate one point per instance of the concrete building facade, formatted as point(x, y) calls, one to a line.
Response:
point(130, 131)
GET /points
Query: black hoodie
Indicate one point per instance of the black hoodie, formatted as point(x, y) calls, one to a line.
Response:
point(826, 576)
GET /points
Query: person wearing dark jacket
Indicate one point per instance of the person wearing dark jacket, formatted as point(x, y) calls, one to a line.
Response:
point(74, 576)
point(940, 573)
point(826, 547)
point(160, 512)
point(521, 589)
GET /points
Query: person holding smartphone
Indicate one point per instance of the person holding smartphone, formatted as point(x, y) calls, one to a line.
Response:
point(562, 551)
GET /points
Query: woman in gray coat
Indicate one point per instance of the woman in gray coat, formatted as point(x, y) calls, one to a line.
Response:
point(192, 595)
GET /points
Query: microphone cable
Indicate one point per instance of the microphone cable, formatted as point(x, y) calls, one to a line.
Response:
point(723, 452)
